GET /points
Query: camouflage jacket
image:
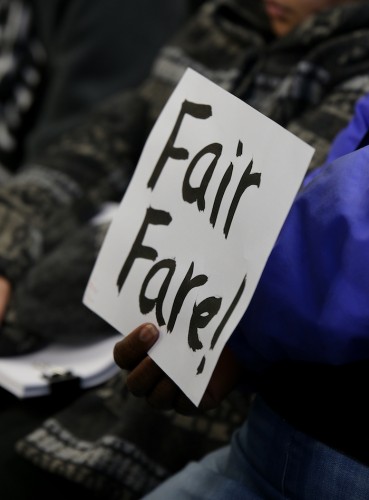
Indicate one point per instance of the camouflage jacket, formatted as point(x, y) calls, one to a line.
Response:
point(307, 81)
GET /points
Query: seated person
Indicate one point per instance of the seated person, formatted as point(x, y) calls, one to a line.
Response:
point(324, 408)
point(280, 61)
point(309, 377)
point(59, 59)
point(306, 360)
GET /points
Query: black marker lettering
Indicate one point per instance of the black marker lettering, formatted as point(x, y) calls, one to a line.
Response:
point(248, 179)
point(228, 314)
point(202, 314)
point(239, 149)
point(201, 366)
point(191, 194)
point(200, 111)
point(139, 251)
point(146, 304)
point(186, 286)
point(220, 193)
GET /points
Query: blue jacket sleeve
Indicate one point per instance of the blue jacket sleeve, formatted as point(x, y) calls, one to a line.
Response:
point(350, 137)
point(312, 301)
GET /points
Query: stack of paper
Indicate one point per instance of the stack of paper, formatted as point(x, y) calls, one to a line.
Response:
point(32, 374)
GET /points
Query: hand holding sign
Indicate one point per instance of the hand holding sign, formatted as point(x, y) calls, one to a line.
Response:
point(147, 380)
point(191, 237)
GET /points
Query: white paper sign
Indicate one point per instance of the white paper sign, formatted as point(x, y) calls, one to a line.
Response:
point(190, 239)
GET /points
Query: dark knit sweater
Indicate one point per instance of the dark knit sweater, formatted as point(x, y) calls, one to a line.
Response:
point(307, 82)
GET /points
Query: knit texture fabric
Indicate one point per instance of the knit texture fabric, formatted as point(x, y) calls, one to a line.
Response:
point(22, 62)
point(308, 82)
point(118, 447)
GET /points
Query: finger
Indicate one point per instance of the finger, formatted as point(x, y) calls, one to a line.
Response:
point(142, 380)
point(164, 394)
point(5, 291)
point(130, 351)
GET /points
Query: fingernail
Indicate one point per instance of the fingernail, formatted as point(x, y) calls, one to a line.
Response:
point(148, 333)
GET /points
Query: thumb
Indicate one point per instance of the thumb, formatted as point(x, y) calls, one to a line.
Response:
point(132, 349)
point(5, 291)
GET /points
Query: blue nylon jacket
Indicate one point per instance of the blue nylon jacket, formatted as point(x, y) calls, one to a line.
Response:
point(312, 301)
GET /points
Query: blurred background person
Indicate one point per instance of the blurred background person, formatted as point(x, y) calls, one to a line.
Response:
point(307, 78)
